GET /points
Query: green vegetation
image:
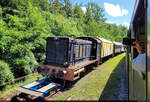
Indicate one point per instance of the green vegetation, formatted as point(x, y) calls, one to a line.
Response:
point(25, 24)
point(5, 72)
point(9, 88)
point(99, 84)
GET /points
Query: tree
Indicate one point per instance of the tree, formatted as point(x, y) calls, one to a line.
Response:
point(68, 8)
point(94, 12)
point(78, 13)
point(88, 14)
point(57, 7)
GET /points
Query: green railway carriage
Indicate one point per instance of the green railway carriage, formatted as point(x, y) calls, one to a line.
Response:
point(139, 84)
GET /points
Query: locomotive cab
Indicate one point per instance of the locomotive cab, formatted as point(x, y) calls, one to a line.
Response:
point(66, 57)
point(65, 51)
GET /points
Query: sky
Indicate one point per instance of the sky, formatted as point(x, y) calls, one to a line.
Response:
point(116, 11)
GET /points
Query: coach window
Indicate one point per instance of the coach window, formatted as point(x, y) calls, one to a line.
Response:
point(77, 51)
point(83, 50)
point(80, 51)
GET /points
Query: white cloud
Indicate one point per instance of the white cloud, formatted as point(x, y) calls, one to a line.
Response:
point(126, 24)
point(110, 22)
point(115, 10)
point(83, 9)
point(117, 24)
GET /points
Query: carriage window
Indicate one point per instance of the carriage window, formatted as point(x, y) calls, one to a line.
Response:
point(85, 49)
point(77, 51)
point(83, 52)
point(80, 51)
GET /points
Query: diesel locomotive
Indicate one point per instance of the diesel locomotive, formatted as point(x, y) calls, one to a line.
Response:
point(66, 58)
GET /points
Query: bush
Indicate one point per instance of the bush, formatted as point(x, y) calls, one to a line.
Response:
point(5, 73)
point(24, 66)
point(21, 67)
point(32, 61)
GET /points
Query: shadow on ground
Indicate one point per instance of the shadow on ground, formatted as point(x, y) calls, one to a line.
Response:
point(112, 89)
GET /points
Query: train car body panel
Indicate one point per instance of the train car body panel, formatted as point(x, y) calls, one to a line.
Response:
point(96, 43)
point(123, 48)
point(106, 47)
point(148, 49)
point(65, 73)
point(130, 87)
point(138, 86)
point(57, 50)
point(96, 47)
point(117, 47)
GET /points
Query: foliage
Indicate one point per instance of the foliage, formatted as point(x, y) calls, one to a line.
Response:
point(25, 24)
point(5, 72)
point(7, 90)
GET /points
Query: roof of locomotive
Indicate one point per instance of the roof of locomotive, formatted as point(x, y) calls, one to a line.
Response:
point(70, 39)
point(90, 39)
point(82, 41)
point(58, 37)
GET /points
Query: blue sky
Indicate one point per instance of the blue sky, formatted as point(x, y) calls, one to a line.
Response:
point(116, 11)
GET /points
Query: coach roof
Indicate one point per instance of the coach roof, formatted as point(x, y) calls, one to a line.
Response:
point(104, 40)
point(117, 43)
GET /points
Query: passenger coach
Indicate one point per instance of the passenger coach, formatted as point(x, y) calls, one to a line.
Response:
point(139, 82)
point(118, 47)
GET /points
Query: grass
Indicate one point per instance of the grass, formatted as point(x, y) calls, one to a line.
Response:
point(99, 84)
point(9, 88)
